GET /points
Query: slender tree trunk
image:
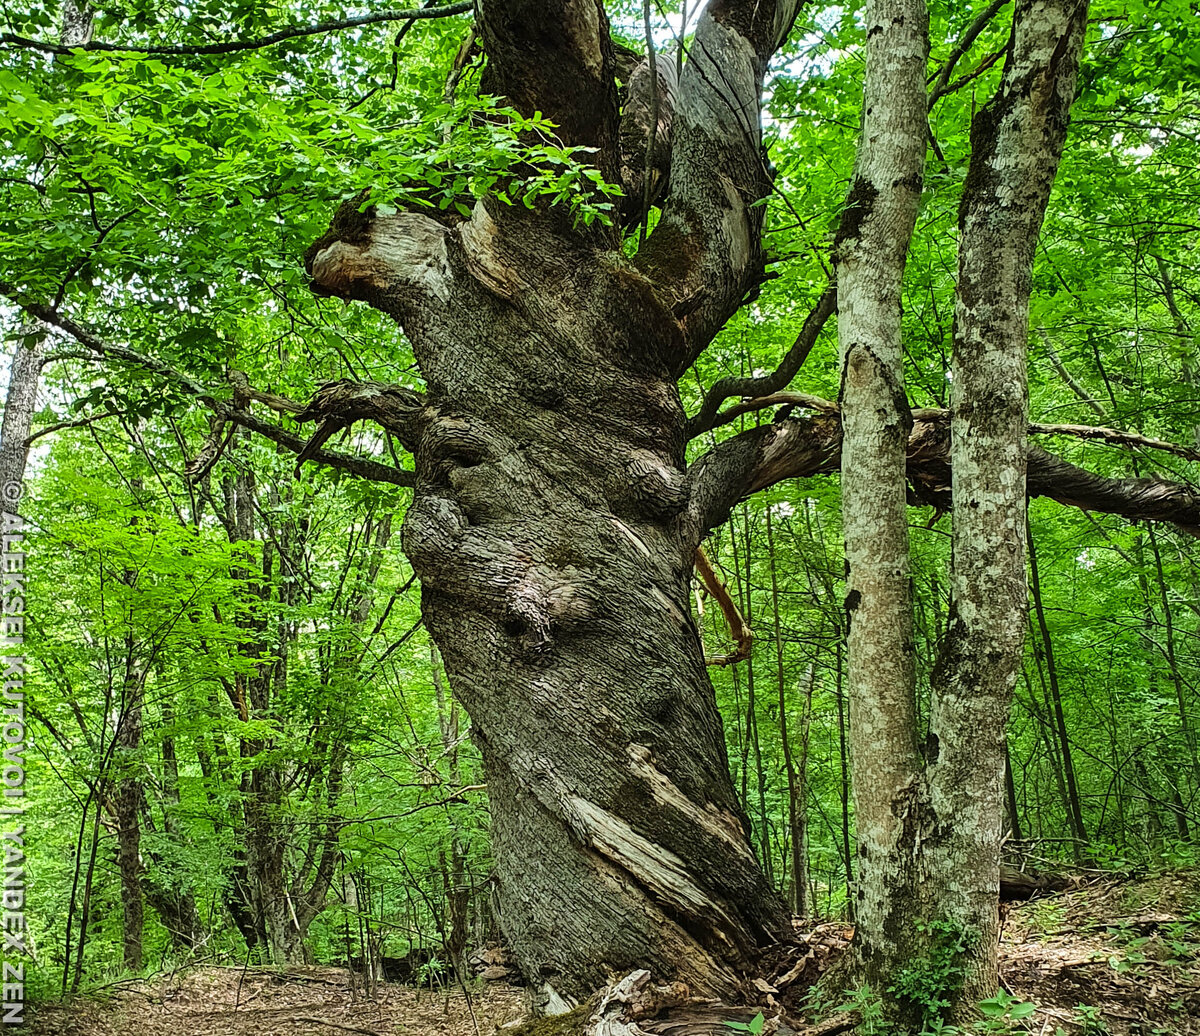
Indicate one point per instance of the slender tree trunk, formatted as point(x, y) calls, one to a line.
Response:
point(175, 903)
point(1074, 807)
point(127, 807)
point(1047, 733)
point(844, 783)
point(800, 860)
point(795, 784)
point(1185, 721)
point(129, 796)
point(1010, 790)
point(871, 249)
point(453, 873)
point(19, 405)
point(1016, 143)
point(743, 735)
point(930, 819)
point(85, 907)
point(29, 351)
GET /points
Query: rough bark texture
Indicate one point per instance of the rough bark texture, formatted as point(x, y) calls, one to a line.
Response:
point(554, 522)
point(1017, 140)
point(706, 250)
point(551, 525)
point(871, 249)
point(550, 534)
point(19, 405)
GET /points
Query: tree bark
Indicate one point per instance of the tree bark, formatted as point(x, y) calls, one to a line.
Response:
point(1016, 142)
point(19, 404)
point(554, 519)
point(551, 524)
point(20, 401)
point(930, 817)
point(890, 800)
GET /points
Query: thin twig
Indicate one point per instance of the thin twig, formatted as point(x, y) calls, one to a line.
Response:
point(235, 46)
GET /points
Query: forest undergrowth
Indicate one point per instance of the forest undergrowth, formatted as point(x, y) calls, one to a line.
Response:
point(1106, 957)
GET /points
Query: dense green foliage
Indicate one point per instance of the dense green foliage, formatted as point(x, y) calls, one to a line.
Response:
point(266, 627)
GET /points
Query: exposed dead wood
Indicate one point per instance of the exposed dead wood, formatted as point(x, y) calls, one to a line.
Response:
point(1016, 884)
point(743, 635)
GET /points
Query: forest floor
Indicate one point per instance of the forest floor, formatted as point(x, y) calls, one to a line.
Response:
point(1125, 953)
point(1105, 958)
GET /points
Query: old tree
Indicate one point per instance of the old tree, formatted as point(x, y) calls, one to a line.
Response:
point(561, 490)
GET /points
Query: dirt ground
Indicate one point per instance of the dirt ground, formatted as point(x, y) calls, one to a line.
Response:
point(1108, 958)
point(211, 1001)
point(1127, 954)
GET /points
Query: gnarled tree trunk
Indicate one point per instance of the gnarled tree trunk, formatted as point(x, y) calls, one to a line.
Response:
point(554, 519)
point(553, 524)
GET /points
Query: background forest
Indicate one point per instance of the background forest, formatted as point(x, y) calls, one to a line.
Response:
point(242, 746)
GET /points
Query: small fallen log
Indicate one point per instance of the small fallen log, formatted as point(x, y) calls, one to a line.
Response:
point(1018, 884)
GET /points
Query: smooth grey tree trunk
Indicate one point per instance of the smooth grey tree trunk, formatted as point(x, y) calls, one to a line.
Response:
point(1017, 140)
point(871, 248)
point(930, 816)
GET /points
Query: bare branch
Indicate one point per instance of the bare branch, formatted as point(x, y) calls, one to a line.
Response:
point(338, 404)
point(79, 422)
point(743, 635)
point(1071, 382)
point(941, 85)
point(1095, 433)
point(784, 399)
point(769, 384)
point(706, 251)
point(209, 396)
point(803, 447)
point(234, 46)
point(371, 470)
point(1116, 437)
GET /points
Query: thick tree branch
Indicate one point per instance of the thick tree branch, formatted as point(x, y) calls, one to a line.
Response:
point(803, 447)
point(339, 404)
point(761, 457)
point(646, 106)
point(1151, 499)
point(234, 46)
point(555, 57)
point(209, 396)
point(706, 251)
point(362, 467)
point(769, 384)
